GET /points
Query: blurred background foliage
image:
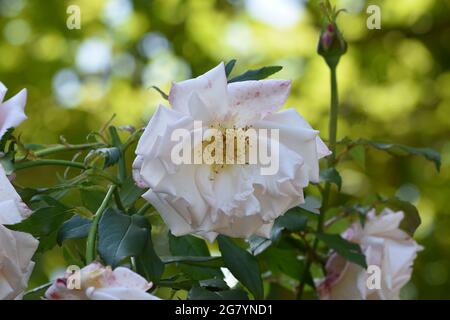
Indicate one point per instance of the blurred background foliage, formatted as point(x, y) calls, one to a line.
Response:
point(394, 85)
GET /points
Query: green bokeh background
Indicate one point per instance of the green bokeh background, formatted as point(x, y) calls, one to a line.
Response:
point(394, 84)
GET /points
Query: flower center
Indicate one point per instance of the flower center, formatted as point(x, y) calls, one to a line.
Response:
point(225, 146)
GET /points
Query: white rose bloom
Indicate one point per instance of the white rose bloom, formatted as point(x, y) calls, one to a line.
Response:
point(231, 199)
point(101, 283)
point(385, 246)
point(16, 248)
point(12, 111)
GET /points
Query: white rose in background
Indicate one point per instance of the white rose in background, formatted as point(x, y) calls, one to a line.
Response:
point(102, 283)
point(234, 200)
point(385, 246)
point(16, 248)
point(11, 111)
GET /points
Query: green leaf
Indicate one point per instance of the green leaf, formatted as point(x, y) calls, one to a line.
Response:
point(74, 228)
point(130, 192)
point(293, 220)
point(7, 163)
point(214, 284)
point(196, 247)
point(358, 154)
point(233, 294)
point(148, 263)
point(279, 292)
point(242, 265)
point(284, 261)
point(399, 150)
point(74, 252)
point(349, 250)
point(257, 74)
point(411, 220)
point(121, 236)
point(331, 175)
point(42, 222)
point(199, 293)
point(92, 198)
point(229, 67)
point(211, 262)
point(176, 284)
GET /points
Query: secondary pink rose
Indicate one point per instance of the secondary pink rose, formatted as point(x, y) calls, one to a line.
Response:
point(385, 246)
point(102, 283)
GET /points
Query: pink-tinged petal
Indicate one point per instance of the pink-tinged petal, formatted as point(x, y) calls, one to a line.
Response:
point(253, 100)
point(12, 112)
point(136, 172)
point(211, 87)
point(384, 245)
point(124, 277)
point(16, 248)
point(3, 91)
point(59, 291)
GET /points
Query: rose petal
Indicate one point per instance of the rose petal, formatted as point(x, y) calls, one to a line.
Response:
point(211, 87)
point(253, 100)
point(12, 112)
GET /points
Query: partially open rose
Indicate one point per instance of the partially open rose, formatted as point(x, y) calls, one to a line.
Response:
point(16, 248)
point(385, 246)
point(231, 199)
point(97, 282)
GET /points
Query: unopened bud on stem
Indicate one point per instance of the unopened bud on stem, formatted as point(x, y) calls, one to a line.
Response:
point(331, 43)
